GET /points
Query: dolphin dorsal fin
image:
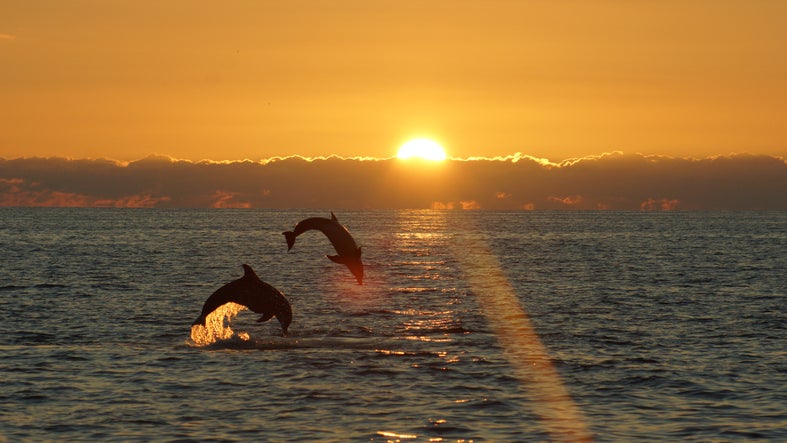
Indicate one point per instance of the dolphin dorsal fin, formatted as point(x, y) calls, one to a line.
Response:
point(333, 217)
point(248, 272)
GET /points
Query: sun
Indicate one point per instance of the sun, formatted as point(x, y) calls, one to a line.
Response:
point(423, 148)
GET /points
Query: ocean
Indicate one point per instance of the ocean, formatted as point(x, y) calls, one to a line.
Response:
point(470, 326)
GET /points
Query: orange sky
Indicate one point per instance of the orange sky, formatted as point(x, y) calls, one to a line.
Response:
point(242, 79)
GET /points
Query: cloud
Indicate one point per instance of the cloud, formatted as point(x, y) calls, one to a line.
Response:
point(19, 192)
point(613, 181)
point(463, 205)
point(571, 200)
point(7, 36)
point(224, 199)
point(510, 158)
point(662, 204)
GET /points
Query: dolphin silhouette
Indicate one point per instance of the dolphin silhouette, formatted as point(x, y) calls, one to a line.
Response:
point(349, 254)
point(254, 294)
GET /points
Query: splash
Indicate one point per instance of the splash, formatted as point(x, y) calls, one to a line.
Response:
point(217, 326)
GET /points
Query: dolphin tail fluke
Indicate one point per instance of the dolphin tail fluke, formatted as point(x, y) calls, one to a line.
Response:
point(290, 236)
point(199, 321)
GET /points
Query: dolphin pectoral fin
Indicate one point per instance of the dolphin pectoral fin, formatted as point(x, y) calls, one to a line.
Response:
point(265, 317)
point(290, 237)
point(338, 259)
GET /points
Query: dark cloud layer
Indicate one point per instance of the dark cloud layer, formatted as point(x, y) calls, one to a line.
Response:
point(611, 181)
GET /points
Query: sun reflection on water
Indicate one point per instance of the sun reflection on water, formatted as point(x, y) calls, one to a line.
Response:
point(395, 435)
point(506, 317)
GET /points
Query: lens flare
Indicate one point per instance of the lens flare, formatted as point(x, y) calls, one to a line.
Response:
point(523, 348)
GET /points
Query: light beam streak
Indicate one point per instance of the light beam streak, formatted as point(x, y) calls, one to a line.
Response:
point(520, 342)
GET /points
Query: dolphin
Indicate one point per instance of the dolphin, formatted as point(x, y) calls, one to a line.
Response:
point(254, 294)
point(349, 254)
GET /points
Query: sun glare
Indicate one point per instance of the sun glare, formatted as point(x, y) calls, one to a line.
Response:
point(422, 148)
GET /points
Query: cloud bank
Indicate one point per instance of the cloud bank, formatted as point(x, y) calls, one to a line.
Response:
point(613, 181)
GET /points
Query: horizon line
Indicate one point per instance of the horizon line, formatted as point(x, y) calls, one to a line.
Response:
point(512, 158)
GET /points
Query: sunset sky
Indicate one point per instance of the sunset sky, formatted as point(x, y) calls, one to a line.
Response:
point(236, 80)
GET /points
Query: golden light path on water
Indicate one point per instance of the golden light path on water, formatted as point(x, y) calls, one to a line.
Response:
point(519, 340)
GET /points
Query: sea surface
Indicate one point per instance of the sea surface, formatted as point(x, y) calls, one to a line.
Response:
point(470, 326)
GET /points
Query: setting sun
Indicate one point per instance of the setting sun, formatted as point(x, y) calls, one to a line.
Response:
point(422, 148)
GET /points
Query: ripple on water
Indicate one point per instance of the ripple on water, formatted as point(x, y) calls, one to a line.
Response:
point(662, 327)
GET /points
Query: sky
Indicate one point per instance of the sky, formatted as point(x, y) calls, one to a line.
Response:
point(603, 104)
point(233, 80)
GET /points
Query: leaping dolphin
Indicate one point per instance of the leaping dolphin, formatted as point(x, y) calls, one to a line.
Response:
point(254, 294)
point(349, 254)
